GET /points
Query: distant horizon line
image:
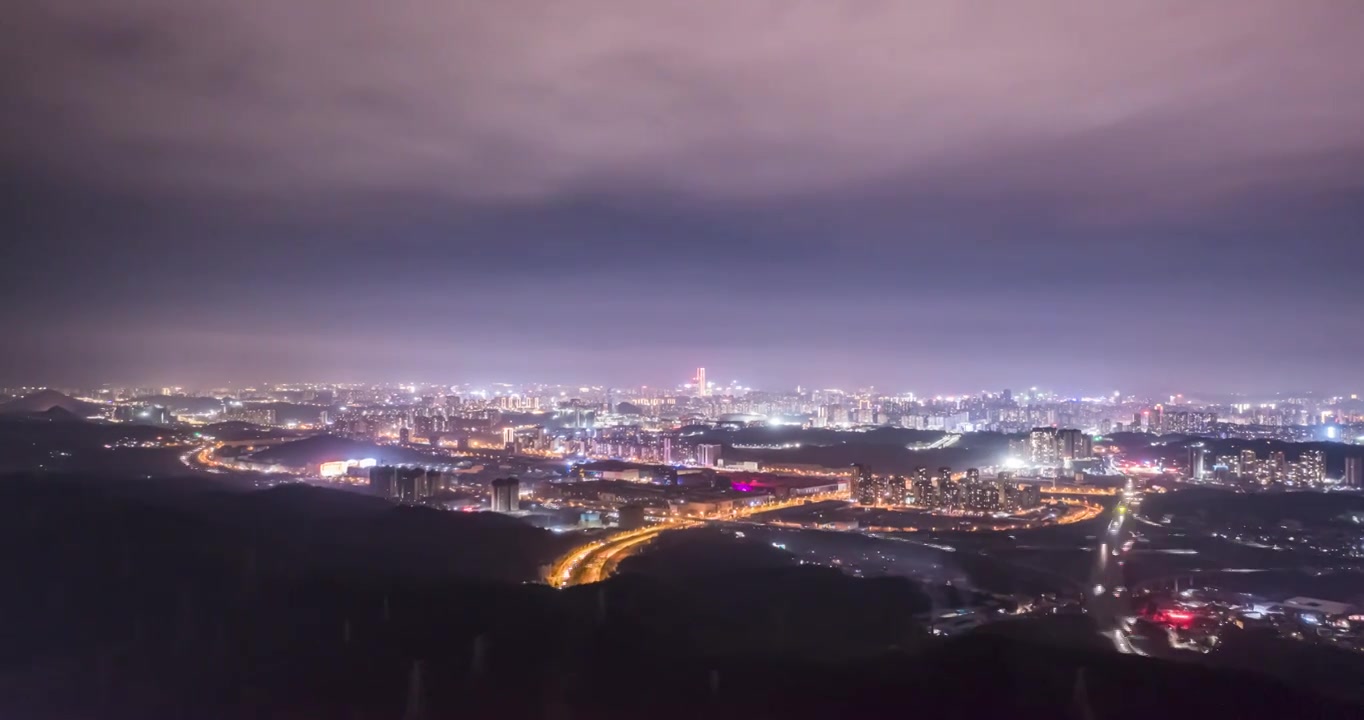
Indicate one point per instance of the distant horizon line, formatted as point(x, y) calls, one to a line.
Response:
point(484, 386)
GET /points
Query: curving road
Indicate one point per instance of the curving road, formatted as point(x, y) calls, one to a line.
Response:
point(596, 560)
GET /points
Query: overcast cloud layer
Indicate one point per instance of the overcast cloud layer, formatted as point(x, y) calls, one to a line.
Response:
point(913, 159)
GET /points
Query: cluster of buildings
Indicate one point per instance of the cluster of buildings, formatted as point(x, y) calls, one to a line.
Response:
point(408, 484)
point(610, 485)
point(626, 471)
point(143, 414)
point(255, 414)
point(946, 491)
point(1308, 469)
point(1197, 618)
point(1160, 420)
point(431, 413)
point(437, 426)
point(425, 485)
point(695, 501)
point(625, 443)
point(593, 491)
point(415, 485)
point(491, 429)
point(1051, 447)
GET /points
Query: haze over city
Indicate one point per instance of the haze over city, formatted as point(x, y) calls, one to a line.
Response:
point(936, 196)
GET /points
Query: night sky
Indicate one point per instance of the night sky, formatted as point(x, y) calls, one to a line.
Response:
point(931, 196)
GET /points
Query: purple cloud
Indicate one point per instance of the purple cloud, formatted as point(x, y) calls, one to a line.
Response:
point(1125, 107)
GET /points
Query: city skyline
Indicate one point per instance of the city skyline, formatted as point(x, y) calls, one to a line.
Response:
point(718, 388)
point(824, 191)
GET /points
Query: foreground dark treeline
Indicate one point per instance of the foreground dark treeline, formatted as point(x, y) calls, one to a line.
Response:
point(158, 601)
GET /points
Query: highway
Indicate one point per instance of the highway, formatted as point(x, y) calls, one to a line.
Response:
point(597, 560)
point(202, 458)
point(1105, 606)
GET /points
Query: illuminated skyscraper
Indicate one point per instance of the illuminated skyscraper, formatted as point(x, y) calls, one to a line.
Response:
point(1277, 465)
point(972, 491)
point(1202, 422)
point(1311, 467)
point(1043, 446)
point(897, 490)
point(701, 388)
point(1052, 446)
point(924, 492)
point(863, 487)
point(949, 492)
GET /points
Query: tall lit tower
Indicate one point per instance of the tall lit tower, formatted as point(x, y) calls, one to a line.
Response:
point(702, 389)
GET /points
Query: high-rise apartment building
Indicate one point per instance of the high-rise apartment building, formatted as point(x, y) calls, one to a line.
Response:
point(1310, 467)
point(862, 489)
point(1198, 458)
point(506, 495)
point(924, 490)
point(1053, 446)
point(1354, 472)
point(1042, 446)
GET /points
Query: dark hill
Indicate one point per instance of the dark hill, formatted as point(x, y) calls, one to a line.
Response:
point(303, 603)
point(57, 441)
point(57, 413)
point(299, 500)
point(1224, 506)
point(352, 533)
point(45, 400)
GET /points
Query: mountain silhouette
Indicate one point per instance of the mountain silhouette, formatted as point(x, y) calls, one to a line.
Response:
point(46, 400)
